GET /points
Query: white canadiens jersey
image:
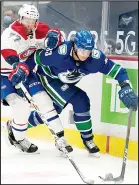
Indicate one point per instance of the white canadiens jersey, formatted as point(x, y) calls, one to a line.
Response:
point(14, 42)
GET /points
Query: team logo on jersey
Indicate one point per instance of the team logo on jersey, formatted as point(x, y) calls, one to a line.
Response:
point(25, 54)
point(62, 50)
point(96, 53)
point(15, 37)
point(71, 76)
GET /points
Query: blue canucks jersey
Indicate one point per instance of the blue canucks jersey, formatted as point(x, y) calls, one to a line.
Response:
point(59, 64)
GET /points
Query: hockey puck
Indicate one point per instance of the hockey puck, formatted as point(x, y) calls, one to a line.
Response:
point(109, 176)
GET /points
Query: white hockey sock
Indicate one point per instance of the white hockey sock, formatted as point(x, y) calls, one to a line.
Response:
point(54, 121)
point(45, 105)
point(20, 111)
point(19, 131)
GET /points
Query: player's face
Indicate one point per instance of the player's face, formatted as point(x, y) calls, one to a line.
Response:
point(28, 23)
point(83, 54)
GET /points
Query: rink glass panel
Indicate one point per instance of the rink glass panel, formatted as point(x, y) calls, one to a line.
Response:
point(118, 24)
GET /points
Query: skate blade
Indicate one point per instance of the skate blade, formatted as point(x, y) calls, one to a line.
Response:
point(96, 155)
point(26, 153)
point(60, 153)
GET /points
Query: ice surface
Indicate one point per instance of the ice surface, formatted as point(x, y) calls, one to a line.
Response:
point(49, 167)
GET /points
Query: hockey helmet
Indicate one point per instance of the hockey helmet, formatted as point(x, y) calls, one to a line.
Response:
point(84, 40)
point(29, 11)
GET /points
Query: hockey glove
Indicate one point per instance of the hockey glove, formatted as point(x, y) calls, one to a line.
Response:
point(128, 97)
point(53, 39)
point(19, 74)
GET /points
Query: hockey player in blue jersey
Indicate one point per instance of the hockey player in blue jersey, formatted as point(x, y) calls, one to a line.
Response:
point(61, 69)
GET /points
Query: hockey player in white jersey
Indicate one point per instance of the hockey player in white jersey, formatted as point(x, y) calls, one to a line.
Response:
point(18, 42)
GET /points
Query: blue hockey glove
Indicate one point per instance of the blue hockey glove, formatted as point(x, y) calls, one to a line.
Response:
point(53, 38)
point(128, 97)
point(19, 74)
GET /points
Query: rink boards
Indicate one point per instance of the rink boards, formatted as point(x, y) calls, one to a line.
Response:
point(107, 144)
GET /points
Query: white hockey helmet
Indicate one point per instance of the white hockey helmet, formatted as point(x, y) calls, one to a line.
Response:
point(29, 11)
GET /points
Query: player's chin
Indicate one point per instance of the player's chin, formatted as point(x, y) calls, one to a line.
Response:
point(82, 59)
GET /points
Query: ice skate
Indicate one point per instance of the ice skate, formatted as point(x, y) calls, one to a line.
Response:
point(24, 145)
point(61, 142)
point(92, 148)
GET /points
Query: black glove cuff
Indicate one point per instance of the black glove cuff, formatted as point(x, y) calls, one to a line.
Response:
point(124, 83)
point(14, 65)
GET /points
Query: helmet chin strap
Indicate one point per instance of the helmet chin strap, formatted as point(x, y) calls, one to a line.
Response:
point(75, 51)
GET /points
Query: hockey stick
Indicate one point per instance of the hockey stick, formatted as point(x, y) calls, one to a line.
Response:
point(27, 95)
point(120, 179)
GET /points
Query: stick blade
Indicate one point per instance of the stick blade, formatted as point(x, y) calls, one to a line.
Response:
point(88, 181)
point(109, 178)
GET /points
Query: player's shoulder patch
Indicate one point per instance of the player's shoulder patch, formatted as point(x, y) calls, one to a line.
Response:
point(96, 53)
point(15, 37)
point(62, 50)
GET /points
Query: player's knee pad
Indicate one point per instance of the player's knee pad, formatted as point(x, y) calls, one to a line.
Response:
point(20, 108)
point(43, 101)
point(80, 102)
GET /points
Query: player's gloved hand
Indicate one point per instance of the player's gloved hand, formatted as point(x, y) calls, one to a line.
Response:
point(128, 97)
point(53, 38)
point(19, 74)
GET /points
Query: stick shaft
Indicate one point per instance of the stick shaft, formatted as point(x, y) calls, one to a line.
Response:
point(126, 144)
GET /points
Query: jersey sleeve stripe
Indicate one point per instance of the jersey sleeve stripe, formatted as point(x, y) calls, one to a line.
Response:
point(113, 72)
point(110, 70)
point(117, 72)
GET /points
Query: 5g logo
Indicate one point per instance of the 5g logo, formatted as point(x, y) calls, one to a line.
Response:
point(122, 45)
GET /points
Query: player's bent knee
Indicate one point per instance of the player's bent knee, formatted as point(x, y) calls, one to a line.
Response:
point(83, 104)
point(43, 101)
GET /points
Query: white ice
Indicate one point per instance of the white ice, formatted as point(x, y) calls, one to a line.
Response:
point(49, 167)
